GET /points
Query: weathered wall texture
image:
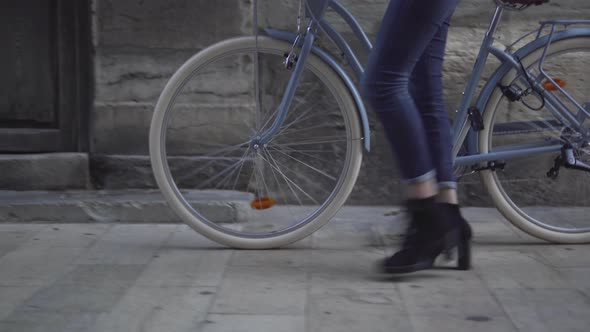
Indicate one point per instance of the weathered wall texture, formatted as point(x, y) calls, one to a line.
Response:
point(139, 44)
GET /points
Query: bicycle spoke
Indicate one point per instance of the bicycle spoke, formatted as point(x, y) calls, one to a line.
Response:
point(294, 110)
point(213, 124)
point(329, 161)
point(225, 170)
point(301, 118)
point(277, 181)
point(299, 188)
point(210, 163)
point(240, 170)
point(304, 116)
point(324, 140)
point(298, 174)
point(308, 166)
point(262, 177)
point(285, 201)
point(284, 178)
point(300, 130)
point(230, 175)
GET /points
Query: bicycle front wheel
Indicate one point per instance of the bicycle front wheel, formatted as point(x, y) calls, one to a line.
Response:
point(555, 209)
point(242, 194)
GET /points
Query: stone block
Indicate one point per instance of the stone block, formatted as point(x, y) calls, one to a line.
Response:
point(124, 129)
point(172, 24)
point(135, 75)
point(115, 206)
point(51, 171)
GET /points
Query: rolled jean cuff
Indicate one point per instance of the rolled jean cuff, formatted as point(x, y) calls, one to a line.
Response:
point(422, 178)
point(447, 185)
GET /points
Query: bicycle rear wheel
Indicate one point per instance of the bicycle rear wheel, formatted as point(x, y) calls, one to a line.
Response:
point(218, 181)
point(556, 210)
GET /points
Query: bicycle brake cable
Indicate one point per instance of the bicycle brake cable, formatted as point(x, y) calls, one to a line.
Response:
point(291, 56)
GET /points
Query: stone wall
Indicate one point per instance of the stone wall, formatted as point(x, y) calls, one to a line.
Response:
point(139, 45)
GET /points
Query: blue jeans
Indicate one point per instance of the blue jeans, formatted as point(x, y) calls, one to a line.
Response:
point(403, 85)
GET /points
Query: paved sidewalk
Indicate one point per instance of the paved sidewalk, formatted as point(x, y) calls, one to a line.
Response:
point(167, 278)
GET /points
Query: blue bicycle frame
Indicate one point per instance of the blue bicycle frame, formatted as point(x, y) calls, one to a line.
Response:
point(461, 130)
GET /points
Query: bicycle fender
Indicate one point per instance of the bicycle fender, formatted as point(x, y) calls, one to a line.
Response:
point(360, 106)
point(492, 82)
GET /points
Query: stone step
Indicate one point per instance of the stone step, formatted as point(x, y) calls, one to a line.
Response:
point(44, 171)
point(129, 206)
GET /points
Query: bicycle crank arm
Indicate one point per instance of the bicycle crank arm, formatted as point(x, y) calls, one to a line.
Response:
point(571, 162)
point(567, 159)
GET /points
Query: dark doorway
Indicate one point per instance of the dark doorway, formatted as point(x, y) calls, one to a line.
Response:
point(45, 81)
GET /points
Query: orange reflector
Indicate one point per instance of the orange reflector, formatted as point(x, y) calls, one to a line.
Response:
point(551, 87)
point(263, 203)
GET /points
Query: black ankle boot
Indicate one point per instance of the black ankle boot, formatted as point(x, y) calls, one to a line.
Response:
point(453, 214)
point(430, 232)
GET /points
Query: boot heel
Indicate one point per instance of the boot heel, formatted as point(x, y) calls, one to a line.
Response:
point(450, 243)
point(464, 253)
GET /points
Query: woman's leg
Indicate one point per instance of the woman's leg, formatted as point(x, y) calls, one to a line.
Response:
point(407, 30)
point(427, 91)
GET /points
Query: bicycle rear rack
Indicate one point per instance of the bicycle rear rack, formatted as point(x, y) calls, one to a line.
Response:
point(552, 26)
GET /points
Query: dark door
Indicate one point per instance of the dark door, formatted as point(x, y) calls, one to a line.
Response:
point(44, 75)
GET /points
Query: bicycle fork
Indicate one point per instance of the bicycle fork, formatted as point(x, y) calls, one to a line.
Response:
point(307, 41)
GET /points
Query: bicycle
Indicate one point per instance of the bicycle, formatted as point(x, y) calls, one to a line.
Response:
point(256, 142)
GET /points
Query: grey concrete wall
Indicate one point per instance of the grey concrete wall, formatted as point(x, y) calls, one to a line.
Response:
point(139, 44)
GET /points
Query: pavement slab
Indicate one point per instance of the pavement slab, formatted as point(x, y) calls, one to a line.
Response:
point(546, 310)
point(248, 323)
point(262, 290)
point(185, 268)
point(516, 269)
point(350, 309)
point(578, 278)
point(165, 277)
point(13, 296)
point(36, 266)
point(156, 309)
